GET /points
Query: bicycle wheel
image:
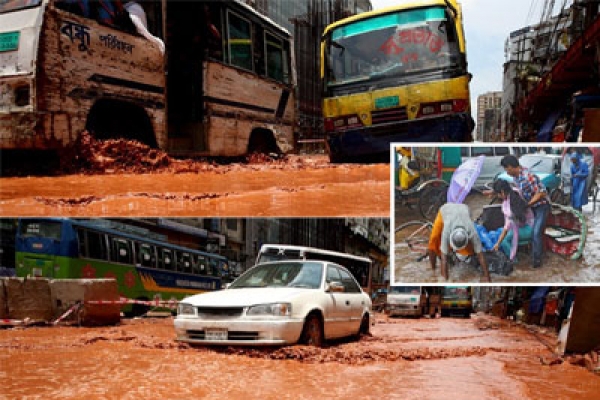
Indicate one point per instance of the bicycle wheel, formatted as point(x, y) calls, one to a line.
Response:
point(414, 236)
point(431, 199)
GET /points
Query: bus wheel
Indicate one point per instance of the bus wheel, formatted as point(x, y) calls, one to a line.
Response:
point(139, 310)
point(312, 333)
point(114, 119)
point(262, 141)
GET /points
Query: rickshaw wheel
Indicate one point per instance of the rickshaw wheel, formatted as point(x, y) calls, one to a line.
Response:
point(557, 196)
point(431, 199)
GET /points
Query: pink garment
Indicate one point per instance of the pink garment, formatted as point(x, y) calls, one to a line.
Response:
point(510, 224)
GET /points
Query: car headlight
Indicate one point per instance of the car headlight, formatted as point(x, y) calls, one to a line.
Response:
point(186, 309)
point(276, 309)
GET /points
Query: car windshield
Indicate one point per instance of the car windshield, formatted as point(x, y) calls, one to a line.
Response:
point(405, 290)
point(537, 163)
point(395, 44)
point(293, 274)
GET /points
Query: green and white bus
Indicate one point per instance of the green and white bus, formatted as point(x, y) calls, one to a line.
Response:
point(145, 265)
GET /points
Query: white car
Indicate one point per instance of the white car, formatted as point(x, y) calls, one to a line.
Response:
point(278, 303)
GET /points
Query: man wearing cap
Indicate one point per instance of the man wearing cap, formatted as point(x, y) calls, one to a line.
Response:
point(534, 192)
point(579, 174)
point(453, 230)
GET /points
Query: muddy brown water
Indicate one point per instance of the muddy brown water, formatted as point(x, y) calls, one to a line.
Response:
point(419, 358)
point(301, 186)
point(555, 268)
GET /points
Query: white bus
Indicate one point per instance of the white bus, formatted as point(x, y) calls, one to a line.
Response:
point(360, 267)
point(207, 77)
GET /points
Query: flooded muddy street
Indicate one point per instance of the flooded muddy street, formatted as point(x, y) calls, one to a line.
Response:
point(481, 357)
point(295, 186)
point(555, 267)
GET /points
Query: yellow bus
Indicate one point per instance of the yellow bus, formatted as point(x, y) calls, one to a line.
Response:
point(395, 75)
point(457, 300)
point(213, 78)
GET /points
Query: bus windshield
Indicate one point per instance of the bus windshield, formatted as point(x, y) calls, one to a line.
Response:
point(13, 5)
point(456, 293)
point(46, 229)
point(408, 42)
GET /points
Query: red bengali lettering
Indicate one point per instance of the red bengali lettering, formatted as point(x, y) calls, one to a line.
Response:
point(391, 47)
point(436, 43)
point(405, 36)
point(421, 36)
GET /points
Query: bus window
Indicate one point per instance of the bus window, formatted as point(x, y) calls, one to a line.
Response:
point(502, 151)
point(81, 242)
point(275, 58)
point(96, 247)
point(106, 12)
point(213, 267)
point(195, 265)
point(121, 251)
point(482, 151)
point(202, 265)
point(166, 261)
point(185, 263)
point(239, 41)
point(145, 255)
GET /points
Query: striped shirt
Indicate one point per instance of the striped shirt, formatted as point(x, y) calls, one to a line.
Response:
point(529, 185)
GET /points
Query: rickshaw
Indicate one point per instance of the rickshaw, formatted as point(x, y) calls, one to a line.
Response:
point(422, 177)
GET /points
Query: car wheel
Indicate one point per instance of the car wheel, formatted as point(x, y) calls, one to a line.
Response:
point(312, 333)
point(364, 325)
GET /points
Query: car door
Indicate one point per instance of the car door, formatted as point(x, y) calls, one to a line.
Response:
point(340, 308)
point(357, 301)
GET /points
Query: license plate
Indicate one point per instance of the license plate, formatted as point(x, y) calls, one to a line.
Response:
point(9, 41)
point(217, 334)
point(387, 102)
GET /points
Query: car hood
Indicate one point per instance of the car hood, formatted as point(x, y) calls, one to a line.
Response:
point(245, 296)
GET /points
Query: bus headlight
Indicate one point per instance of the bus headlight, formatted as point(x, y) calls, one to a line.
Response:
point(275, 309)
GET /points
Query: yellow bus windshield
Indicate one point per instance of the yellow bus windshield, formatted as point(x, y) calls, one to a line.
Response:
point(401, 43)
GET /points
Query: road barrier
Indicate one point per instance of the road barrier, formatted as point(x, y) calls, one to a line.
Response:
point(172, 304)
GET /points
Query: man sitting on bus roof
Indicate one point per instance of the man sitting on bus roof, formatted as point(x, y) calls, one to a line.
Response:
point(453, 230)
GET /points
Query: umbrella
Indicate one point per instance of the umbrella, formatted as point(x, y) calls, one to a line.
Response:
point(464, 178)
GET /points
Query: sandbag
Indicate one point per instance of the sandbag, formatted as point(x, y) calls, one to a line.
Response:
point(498, 263)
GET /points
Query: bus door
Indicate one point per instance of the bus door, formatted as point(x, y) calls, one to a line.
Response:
point(193, 36)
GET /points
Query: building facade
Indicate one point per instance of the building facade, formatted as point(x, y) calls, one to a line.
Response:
point(488, 115)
